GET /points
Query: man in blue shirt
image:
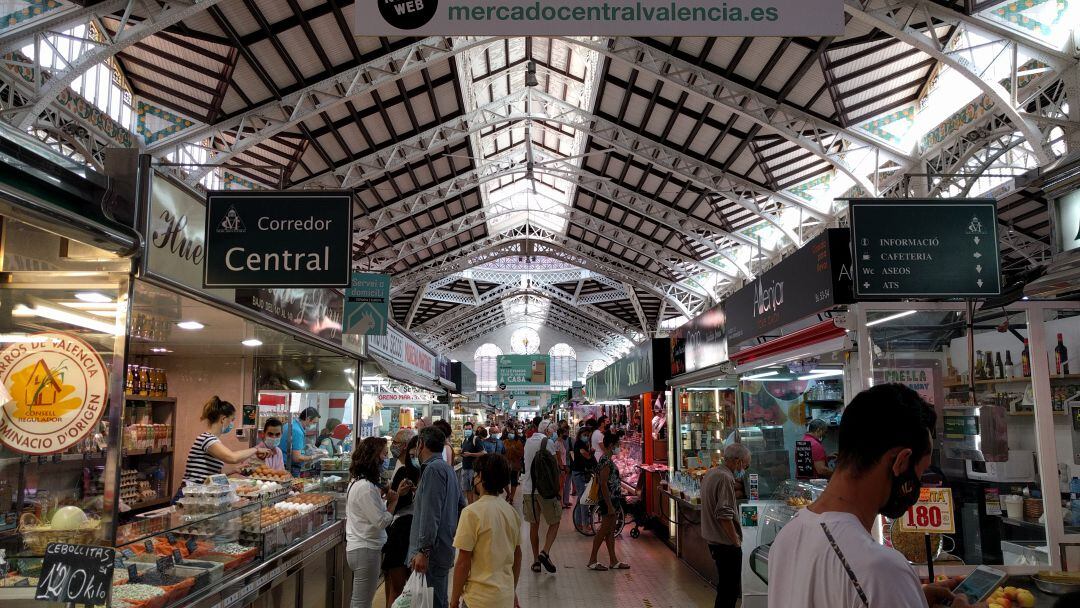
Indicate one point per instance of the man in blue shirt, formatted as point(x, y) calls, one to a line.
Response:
point(436, 508)
point(294, 448)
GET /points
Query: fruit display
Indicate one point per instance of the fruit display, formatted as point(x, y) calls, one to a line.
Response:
point(798, 502)
point(1010, 597)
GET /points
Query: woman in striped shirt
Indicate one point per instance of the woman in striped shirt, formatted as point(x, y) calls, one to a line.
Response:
point(208, 454)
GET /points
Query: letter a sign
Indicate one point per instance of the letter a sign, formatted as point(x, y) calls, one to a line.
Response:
point(278, 239)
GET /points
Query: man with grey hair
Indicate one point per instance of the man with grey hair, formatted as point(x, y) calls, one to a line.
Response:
point(540, 490)
point(436, 509)
point(720, 522)
point(815, 435)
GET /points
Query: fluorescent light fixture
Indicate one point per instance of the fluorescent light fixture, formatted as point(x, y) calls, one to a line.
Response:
point(93, 296)
point(898, 315)
point(349, 370)
point(822, 374)
point(159, 349)
point(20, 339)
point(252, 342)
point(64, 316)
point(190, 325)
point(761, 375)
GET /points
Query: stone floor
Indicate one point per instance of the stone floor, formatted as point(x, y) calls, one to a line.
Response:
point(657, 579)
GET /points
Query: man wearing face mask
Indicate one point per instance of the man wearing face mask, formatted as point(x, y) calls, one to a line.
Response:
point(720, 522)
point(825, 556)
point(307, 421)
point(272, 430)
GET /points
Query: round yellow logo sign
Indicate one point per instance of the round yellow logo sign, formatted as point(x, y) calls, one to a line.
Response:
point(57, 389)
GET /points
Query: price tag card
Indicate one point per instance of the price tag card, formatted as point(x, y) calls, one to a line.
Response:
point(177, 558)
point(128, 553)
point(76, 574)
point(169, 536)
point(149, 544)
point(933, 514)
point(219, 480)
point(133, 573)
point(164, 564)
point(192, 545)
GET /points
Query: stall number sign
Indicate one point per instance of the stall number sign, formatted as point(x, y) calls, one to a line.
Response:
point(933, 514)
point(76, 574)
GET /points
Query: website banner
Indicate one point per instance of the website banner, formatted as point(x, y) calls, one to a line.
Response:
point(603, 18)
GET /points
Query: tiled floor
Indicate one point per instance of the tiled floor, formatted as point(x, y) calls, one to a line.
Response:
point(657, 579)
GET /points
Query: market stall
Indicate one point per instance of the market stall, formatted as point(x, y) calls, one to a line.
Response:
point(403, 384)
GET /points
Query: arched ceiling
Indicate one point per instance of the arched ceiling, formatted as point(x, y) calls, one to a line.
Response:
point(634, 182)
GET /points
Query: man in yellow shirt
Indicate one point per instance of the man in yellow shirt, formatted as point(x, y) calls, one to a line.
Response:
point(488, 541)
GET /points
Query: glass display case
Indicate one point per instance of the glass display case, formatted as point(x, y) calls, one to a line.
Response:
point(630, 458)
point(789, 497)
point(706, 415)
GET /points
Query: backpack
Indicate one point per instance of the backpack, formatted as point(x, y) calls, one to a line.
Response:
point(544, 472)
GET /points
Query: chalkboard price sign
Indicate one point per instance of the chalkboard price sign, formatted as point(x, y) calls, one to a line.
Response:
point(77, 574)
point(804, 460)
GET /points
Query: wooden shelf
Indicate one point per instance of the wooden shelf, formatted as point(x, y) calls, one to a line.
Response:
point(157, 502)
point(150, 399)
point(1023, 380)
point(147, 452)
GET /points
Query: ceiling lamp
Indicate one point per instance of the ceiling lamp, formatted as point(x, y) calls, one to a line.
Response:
point(530, 74)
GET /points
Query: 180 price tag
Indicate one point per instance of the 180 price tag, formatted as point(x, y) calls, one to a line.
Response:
point(933, 514)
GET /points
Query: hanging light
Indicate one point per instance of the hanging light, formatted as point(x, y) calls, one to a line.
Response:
point(530, 74)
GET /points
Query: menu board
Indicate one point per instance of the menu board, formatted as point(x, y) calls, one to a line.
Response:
point(76, 574)
point(804, 460)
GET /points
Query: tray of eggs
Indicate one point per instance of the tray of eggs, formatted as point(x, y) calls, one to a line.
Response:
point(265, 473)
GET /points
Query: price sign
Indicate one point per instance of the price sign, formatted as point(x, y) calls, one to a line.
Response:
point(149, 544)
point(219, 480)
point(76, 574)
point(169, 536)
point(177, 558)
point(165, 563)
point(133, 573)
point(933, 514)
point(192, 544)
point(804, 460)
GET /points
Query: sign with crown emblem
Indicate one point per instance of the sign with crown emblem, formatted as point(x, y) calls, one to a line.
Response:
point(54, 388)
point(925, 248)
point(278, 239)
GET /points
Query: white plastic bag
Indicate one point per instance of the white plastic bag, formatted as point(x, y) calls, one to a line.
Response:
point(416, 594)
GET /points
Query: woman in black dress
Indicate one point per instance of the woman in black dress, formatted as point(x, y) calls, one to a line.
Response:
point(397, 535)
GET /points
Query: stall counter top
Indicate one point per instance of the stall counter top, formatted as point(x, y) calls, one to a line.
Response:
point(682, 501)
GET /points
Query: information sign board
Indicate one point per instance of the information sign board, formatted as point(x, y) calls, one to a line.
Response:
point(76, 574)
point(925, 248)
point(933, 514)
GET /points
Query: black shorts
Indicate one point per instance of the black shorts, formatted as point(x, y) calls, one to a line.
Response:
point(515, 478)
point(397, 543)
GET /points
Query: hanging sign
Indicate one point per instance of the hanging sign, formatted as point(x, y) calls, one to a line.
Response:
point(522, 370)
point(313, 311)
point(1067, 221)
point(814, 278)
point(398, 349)
point(367, 304)
point(76, 574)
point(278, 239)
point(933, 514)
point(610, 18)
point(930, 248)
point(58, 388)
point(700, 343)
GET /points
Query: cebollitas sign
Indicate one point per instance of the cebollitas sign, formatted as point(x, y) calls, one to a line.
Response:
point(56, 389)
point(278, 239)
point(599, 18)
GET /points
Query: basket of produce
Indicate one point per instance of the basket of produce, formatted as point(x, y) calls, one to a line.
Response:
point(1057, 583)
point(68, 525)
point(139, 595)
point(232, 555)
point(265, 473)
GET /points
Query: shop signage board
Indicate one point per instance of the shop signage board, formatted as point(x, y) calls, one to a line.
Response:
point(76, 574)
point(406, 399)
point(54, 389)
point(609, 18)
point(642, 370)
point(278, 239)
point(925, 248)
point(397, 348)
point(464, 378)
point(314, 311)
point(699, 343)
point(522, 370)
point(367, 304)
point(933, 514)
point(815, 278)
point(1067, 224)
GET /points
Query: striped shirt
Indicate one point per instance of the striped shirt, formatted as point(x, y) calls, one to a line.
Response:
point(200, 464)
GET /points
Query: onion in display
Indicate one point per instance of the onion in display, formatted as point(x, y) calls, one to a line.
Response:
point(68, 518)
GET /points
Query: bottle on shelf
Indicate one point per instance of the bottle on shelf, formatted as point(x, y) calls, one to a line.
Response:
point(129, 381)
point(1025, 360)
point(144, 381)
point(990, 372)
point(1010, 367)
point(1061, 357)
point(980, 369)
point(1000, 366)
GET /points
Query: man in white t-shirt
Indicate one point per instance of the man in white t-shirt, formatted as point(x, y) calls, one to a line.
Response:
point(598, 437)
point(825, 557)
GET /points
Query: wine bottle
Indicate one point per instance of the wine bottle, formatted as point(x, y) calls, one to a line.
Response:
point(1061, 357)
point(1010, 367)
point(980, 369)
point(990, 373)
point(1025, 360)
point(1000, 366)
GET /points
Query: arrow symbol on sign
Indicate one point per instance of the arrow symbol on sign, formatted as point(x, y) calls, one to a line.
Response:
point(976, 240)
point(977, 254)
point(979, 283)
point(978, 268)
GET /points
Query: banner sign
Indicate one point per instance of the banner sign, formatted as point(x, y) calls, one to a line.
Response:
point(278, 239)
point(925, 248)
point(699, 343)
point(609, 18)
point(522, 370)
point(464, 378)
point(445, 367)
point(54, 390)
point(395, 347)
point(644, 370)
point(367, 304)
point(313, 311)
point(814, 278)
point(406, 399)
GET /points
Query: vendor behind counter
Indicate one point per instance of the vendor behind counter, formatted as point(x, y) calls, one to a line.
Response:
point(208, 454)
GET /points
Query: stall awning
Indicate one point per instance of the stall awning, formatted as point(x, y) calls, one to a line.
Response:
point(709, 373)
point(814, 340)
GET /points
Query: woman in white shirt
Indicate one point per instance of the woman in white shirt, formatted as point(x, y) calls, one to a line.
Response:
point(369, 510)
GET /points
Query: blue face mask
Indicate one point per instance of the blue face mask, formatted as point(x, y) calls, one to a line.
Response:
point(468, 433)
point(272, 442)
point(740, 474)
point(509, 435)
point(228, 429)
point(387, 463)
point(415, 461)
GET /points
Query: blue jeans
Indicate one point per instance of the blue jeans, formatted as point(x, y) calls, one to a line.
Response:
point(439, 580)
point(581, 512)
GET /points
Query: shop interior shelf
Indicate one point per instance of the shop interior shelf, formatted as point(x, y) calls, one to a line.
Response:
point(1023, 379)
point(155, 502)
point(1033, 413)
point(174, 522)
point(150, 399)
point(147, 452)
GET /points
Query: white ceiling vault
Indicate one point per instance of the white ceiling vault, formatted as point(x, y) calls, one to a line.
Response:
point(606, 187)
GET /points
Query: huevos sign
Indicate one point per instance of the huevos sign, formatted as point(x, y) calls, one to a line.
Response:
point(56, 389)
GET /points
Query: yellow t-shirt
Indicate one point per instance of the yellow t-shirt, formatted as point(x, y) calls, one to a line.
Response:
point(491, 529)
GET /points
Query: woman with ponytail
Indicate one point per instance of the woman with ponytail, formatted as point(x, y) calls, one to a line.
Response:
point(208, 454)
